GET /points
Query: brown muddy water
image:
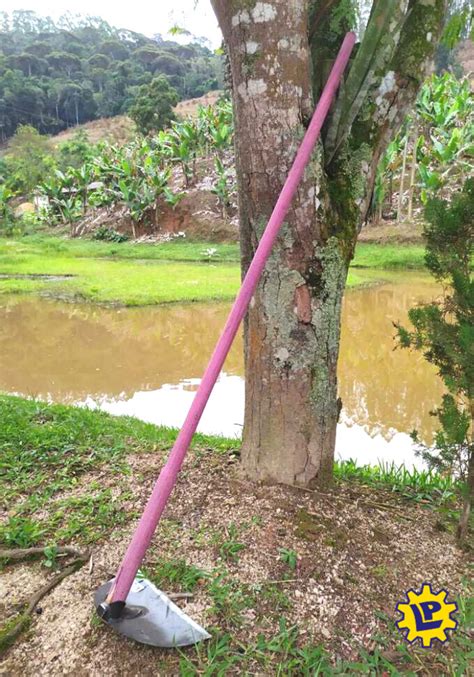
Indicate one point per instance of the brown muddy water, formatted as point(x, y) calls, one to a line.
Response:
point(147, 362)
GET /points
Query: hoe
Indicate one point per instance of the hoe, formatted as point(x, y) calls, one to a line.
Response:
point(133, 606)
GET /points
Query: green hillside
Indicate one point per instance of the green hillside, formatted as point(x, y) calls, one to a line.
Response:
point(54, 75)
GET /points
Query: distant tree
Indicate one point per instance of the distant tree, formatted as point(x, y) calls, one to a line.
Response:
point(147, 55)
point(24, 21)
point(78, 103)
point(153, 107)
point(99, 61)
point(444, 333)
point(39, 48)
point(114, 49)
point(168, 65)
point(40, 59)
point(64, 62)
point(29, 159)
point(28, 63)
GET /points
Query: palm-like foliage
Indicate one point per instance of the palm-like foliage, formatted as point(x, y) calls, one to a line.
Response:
point(439, 137)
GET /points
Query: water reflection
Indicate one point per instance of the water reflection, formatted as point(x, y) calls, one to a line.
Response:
point(147, 362)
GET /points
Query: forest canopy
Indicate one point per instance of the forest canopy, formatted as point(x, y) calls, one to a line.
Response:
point(56, 74)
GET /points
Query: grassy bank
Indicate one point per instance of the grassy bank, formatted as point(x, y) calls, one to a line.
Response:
point(76, 476)
point(48, 449)
point(143, 274)
point(368, 255)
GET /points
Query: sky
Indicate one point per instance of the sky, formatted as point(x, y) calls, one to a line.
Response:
point(143, 16)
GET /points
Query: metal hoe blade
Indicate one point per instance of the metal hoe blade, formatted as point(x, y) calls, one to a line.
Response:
point(150, 617)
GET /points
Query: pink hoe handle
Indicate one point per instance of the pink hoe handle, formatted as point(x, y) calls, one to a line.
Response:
point(168, 476)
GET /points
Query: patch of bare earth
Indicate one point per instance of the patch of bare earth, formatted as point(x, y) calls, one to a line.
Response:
point(118, 129)
point(358, 552)
point(390, 232)
point(190, 107)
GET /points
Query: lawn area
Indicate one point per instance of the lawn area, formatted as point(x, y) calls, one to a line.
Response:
point(389, 256)
point(144, 274)
point(46, 451)
point(287, 581)
point(131, 283)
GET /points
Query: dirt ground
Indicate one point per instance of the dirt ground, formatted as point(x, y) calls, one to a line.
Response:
point(389, 232)
point(358, 552)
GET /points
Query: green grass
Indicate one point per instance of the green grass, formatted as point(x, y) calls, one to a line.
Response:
point(136, 283)
point(389, 256)
point(45, 452)
point(179, 250)
point(416, 485)
point(144, 274)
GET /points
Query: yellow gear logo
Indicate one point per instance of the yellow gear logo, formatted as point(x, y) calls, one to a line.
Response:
point(426, 615)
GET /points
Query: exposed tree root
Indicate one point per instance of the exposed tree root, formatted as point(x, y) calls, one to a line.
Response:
point(15, 626)
point(23, 553)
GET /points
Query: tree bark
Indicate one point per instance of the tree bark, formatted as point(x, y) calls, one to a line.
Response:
point(463, 525)
point(292, 330)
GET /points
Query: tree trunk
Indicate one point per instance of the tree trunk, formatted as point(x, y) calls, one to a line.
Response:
point(467, 502)
point(292, 329)
point(293, 326)
point(292, 348)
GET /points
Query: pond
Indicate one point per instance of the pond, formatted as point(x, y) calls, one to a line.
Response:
point(147, 362)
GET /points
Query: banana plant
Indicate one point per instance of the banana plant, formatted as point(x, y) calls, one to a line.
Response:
point(221, 187)
point(384, 180)
point(82, 178)
point(171, 198)
point(138, 197)
point(441, 146)
point(69, 207)
point(181, 145)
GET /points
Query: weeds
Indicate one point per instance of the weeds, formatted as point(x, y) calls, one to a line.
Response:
point(417, 485)
point(229, 599)
point(230, 548)
point(289, 557)
point(176, 574)
point(21, 532)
